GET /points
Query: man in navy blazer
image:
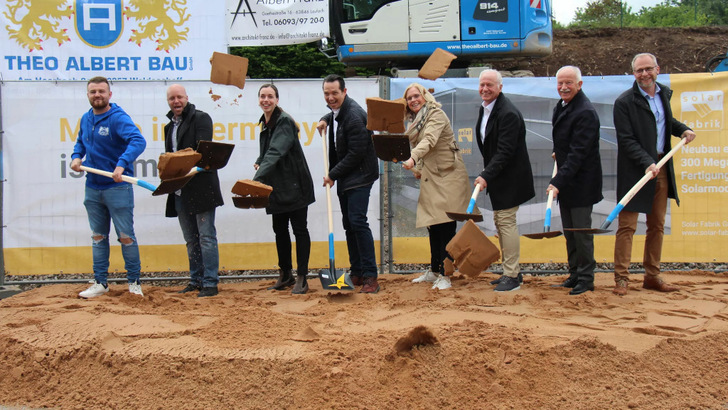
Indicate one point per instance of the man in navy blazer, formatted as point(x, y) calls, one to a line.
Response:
point(644, 123)
point(506, 176)
point(578, 181)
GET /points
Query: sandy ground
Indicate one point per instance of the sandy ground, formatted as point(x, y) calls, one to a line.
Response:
point(408, 347)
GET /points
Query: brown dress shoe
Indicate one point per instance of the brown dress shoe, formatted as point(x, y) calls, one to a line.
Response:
point(370, 285)
point(655, 282)
point(621, 287)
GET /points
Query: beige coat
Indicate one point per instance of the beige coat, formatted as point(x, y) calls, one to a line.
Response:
point(444, 185)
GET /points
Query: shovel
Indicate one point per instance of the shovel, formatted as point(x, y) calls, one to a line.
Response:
point(332, 278)
point(632, 192)
point(547, 220)
point(468, 215)
point(124, 178)
point(168, 186)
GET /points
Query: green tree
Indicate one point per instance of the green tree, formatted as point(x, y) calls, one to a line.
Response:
point(603, 13)
point(670, 14)
point(715, 11)
point(289, 61)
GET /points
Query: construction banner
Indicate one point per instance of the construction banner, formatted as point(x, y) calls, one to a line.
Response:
point(696, 231)
point(44, 40)
point(46, 227)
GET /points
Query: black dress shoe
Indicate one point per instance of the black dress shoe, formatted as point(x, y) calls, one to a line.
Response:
point(570, 282)
point(190, 288)
point(582, 287)
point(207, 291)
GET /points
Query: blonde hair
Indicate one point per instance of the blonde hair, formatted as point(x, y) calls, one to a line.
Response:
point(429, 98)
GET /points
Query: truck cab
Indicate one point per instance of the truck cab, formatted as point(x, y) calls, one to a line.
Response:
point(405, 32)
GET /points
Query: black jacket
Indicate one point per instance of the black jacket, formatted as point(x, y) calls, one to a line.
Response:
point(202, 192)
point(353, 163)
point(576, 145)
point(637, 145)
point(507, 168)
point(282, 165)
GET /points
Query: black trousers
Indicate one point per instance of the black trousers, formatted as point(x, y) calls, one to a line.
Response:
point(440, 236)
point(579, 245)
point(299, 223)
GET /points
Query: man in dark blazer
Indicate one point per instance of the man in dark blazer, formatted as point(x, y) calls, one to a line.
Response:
point(507, 177)
point(354, 165)
point(194, 205)
point(644, 123)
point(578, 181)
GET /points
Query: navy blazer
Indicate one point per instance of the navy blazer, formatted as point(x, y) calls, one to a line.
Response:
point(202, 192)
point(576, 146)
point(507, 167)
point(637, 145)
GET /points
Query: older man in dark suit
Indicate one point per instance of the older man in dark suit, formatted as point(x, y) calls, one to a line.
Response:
point(578, 181)
point(507, 176)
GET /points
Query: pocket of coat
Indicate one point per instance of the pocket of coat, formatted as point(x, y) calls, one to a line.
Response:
point(287, 196)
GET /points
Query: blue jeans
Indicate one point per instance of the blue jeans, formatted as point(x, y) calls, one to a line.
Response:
point(201, 238)
point(359, 240)
point(106, 205)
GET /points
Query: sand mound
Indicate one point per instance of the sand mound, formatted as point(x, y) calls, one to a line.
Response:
point(466, 347)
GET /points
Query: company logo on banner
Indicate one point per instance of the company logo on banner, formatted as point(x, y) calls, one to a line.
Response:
point(99, 24)
point(702, 110)
point(124, 40)
point(276, 22)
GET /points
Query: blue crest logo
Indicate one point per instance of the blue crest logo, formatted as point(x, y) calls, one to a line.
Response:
point(99, 23)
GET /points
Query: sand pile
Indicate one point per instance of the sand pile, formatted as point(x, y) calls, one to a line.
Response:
point(407, 347)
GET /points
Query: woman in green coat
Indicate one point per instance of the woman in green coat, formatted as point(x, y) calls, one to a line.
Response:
point(283, 166)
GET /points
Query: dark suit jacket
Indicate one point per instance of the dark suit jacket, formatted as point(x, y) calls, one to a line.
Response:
point(637, 145)
point(353, 163)
point(202, 192)
point(576, 145)
point(505, 156)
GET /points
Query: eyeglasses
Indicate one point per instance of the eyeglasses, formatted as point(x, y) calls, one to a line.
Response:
point(645, 70)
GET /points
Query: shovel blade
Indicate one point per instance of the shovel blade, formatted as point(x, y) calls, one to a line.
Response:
point(588, 230)
point(542, 235)
point(215, 155)
point(335, 280)
point(457, 216)
point(171, 185)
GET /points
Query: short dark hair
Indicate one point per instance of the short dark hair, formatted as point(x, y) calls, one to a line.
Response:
point(98, 80)
point(335, 78)
point(275, 89)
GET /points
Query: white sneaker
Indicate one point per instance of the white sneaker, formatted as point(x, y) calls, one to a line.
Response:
point(428, 276)
point(96, 289)
point(442, 283)
point(135, 288)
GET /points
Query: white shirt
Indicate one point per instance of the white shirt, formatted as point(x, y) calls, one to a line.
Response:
point(335, 125)
point(487, 109)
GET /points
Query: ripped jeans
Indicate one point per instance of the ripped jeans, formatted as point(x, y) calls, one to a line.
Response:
point(103, 206)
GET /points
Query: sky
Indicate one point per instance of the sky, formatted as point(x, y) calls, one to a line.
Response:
point(564, 10)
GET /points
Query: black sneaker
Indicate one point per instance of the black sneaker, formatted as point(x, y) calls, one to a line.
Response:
point(507, 284)
point(190, 288)
point(497, 281)
point(207, 291)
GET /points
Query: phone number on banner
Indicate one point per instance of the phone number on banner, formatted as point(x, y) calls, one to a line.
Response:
point(293, 22)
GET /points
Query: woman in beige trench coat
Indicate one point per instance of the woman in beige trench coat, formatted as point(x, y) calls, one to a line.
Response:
point(444, 184)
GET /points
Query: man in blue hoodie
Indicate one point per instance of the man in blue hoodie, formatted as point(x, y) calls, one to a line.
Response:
point(109, 141)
